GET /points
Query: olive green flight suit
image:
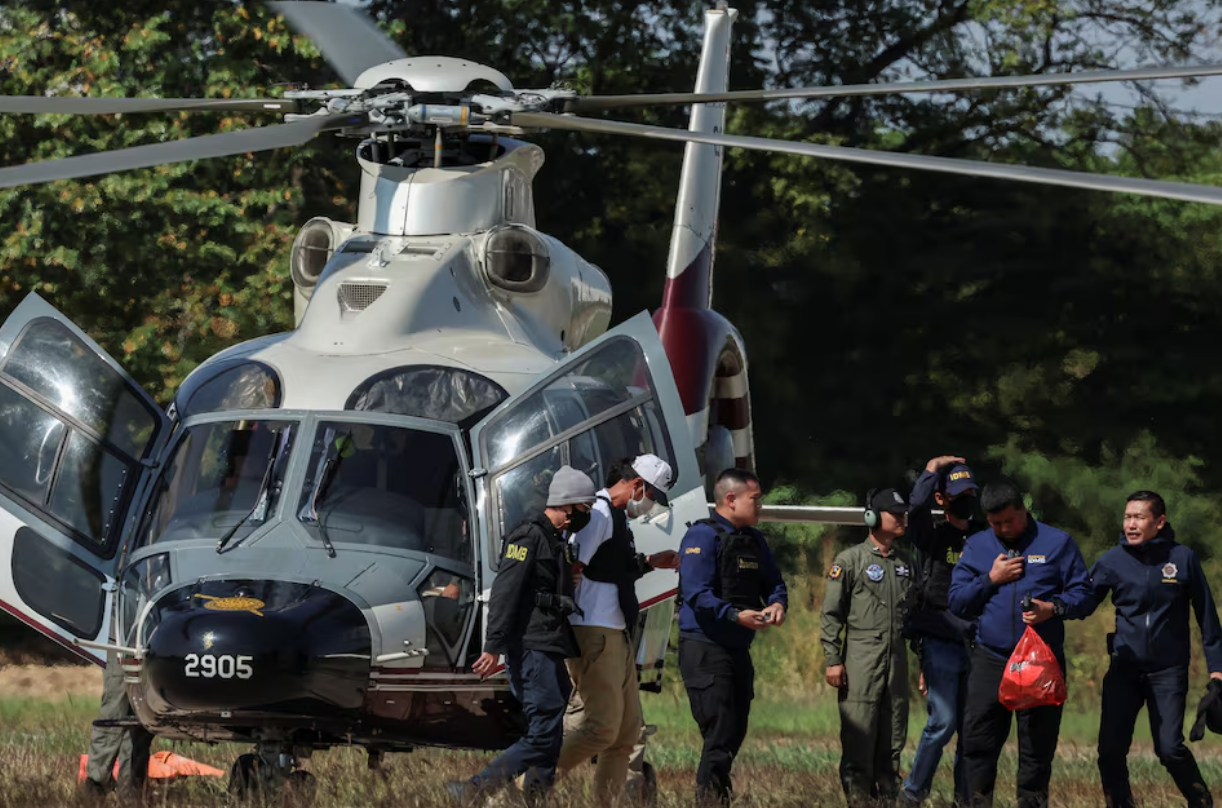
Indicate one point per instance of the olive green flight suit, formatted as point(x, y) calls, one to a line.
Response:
point(861, 630)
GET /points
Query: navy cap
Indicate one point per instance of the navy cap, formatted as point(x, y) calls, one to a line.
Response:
point(889, 499)
point(957, 479)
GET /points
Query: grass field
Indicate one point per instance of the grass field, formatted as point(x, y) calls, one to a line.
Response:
point(790, 759)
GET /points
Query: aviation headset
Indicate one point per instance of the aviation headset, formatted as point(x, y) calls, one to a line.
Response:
point(871, 516)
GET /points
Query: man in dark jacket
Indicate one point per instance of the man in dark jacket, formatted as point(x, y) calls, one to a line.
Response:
point(1017, 559)
point(939, 637)
point(731, 588)
point(1152, 581)
point(532, 598)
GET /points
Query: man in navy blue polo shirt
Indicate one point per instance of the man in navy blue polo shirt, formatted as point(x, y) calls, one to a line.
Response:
point(1153, 581)
point(1016, 559)
point(731, 588)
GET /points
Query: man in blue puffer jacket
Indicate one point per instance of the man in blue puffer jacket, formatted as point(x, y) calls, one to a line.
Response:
point(1153, 581)
point(999, 569)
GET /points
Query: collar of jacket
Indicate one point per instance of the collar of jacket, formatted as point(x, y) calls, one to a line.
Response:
point(551, 530)
point(1165, 537)
point(1024, 538)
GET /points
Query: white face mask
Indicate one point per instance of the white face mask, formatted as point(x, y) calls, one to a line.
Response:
point(637, 508)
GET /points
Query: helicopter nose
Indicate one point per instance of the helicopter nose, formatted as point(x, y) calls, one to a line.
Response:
point(256, 645)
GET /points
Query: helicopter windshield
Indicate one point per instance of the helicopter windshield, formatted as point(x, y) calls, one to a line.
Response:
point(386, 486)
point(223, 475)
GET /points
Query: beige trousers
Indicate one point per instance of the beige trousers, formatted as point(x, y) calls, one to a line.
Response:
point(605, 681)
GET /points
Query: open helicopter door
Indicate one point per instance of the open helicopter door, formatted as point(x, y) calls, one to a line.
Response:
point(614, 398)
point(77, 436)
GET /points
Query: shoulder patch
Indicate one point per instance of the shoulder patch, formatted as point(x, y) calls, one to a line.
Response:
point(835, 572)
point(516, 552)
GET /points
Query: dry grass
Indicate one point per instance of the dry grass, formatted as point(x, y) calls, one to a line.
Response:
point(790, 759)
point(49, 682)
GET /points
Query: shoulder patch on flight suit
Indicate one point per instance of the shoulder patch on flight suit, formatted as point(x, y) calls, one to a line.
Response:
point(901, 570)
point(874, 572)
point(835, 572)
point(516, 552)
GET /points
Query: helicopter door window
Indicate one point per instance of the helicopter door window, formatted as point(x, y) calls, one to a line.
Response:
point(74, 431)
point(633, 433)
point(50, 361)
point(76, 601)
point(29, 442)
point(522, 491)
point(612, 377)
point(448, 599)
point(223, 476)
point(386, 486)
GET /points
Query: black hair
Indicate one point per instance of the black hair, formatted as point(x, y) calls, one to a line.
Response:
point(1001, 494)
point(1155, 502)
point(621, 470)
point(730, 480)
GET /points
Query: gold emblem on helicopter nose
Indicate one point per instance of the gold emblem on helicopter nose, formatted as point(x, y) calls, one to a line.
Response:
point(233, 604)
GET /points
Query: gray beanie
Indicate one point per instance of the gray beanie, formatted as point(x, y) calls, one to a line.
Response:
point(569, 487)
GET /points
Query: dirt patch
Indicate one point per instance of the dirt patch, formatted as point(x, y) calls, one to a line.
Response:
point(50, 682)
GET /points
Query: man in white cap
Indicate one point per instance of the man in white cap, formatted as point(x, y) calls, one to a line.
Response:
point(605, 674)
point(532, 597)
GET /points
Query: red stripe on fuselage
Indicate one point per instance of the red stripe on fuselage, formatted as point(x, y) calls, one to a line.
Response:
point(50, 635)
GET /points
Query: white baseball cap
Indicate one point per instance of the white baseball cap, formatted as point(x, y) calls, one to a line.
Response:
point(657, 475)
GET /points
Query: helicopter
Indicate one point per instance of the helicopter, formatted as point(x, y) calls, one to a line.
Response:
point(297, 553)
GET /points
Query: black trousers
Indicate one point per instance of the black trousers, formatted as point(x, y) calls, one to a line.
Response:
point(1126, 689)
point(986, 726)
point(720, 684)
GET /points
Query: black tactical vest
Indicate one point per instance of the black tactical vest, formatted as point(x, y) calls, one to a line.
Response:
point(614, 562)
point(740, 581)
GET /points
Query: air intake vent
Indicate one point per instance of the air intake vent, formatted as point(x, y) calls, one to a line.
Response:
point(359, 296)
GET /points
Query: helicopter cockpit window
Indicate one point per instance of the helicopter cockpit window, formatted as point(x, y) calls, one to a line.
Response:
point(387, 486)
point(246, 386)
point(223, 481)
point(599, 412)
point(452, 395)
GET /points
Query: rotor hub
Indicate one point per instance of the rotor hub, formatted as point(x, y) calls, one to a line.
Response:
point(436, 74)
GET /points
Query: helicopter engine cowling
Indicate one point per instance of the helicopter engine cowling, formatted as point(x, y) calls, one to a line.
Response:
point(270, 646)
point(313, 247)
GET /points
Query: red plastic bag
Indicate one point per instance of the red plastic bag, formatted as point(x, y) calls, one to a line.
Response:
point(1033, 677)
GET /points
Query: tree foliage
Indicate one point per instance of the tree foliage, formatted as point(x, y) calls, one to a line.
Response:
point(889, 315)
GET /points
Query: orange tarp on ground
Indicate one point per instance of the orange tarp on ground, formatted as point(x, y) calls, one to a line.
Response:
point(163, 766)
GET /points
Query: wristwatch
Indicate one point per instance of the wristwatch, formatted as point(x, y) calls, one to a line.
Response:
point(732, 614)
point(1058, 607)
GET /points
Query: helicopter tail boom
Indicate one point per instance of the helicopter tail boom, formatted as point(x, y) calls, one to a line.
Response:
point(706, 352)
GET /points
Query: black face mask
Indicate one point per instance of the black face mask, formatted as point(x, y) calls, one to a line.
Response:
point(578, 519)
point(962, 508)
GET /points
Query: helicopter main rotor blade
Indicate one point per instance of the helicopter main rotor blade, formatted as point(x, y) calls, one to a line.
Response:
point(598, 102)
point(345, 36)
point(1046, 176)
point(261, 138)
point(77, 105)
